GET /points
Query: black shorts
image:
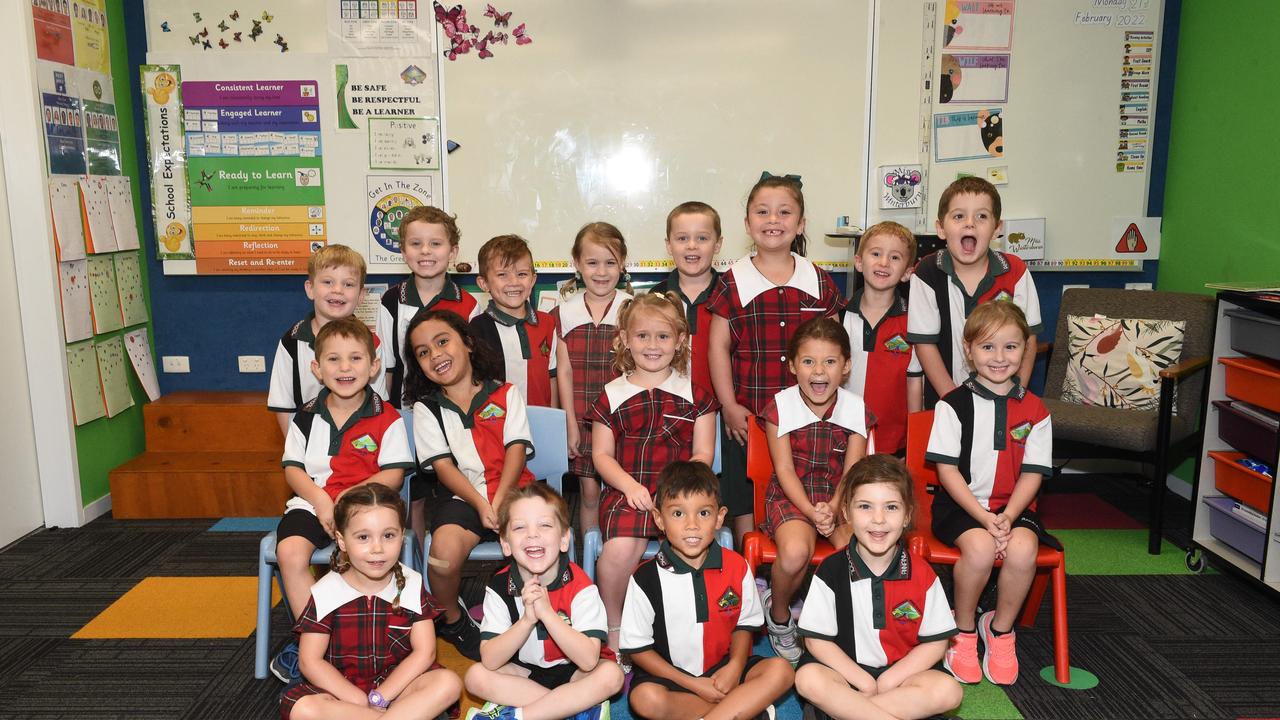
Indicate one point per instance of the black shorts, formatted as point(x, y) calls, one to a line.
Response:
point(736, 492)
point(457, 512)
point(550, 677)
point(423, 485)
point(806, 658)
point(305, 524)
point(641, 676)
point(950, 521)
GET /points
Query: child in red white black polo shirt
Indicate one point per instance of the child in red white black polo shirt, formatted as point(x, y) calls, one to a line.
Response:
point(886, 373)
point(876, 619)
point(347, 436)
point(542, 649)
point(993, 444)
point(693, 241)
point(757, 306)
point(474, 431)
point(691, 612)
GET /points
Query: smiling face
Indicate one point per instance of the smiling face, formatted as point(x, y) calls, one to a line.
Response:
point(820, 367)
point(442, 354)
point(774, 219)
point(652, 341)
point(878, 516)
point(372, 540)
point(426, 248)
point(690, 523)
point(534, 537)
point(968, 226)
point(882, 259)
point(335, 292)
point(693, 243)
point(599, 268)
point(509, 285)
point(997, 357)
point(344, 366)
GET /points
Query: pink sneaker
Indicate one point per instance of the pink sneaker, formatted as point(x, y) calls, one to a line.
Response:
point(1000, 659)
point(961, 659)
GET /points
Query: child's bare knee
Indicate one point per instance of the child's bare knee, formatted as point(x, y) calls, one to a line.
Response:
point(647, 700)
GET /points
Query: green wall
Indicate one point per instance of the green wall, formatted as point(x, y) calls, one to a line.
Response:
point(103, 444)
point(1220, 208)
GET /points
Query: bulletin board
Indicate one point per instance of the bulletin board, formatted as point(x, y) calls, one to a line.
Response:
point(1077, 109)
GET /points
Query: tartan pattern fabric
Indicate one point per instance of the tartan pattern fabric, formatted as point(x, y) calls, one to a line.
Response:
point(591, 354)
point(651, 429)
point(817, 454)
point(367, 640)
point(759, 333)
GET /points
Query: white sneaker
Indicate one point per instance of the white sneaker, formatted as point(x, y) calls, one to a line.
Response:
point(785, 639)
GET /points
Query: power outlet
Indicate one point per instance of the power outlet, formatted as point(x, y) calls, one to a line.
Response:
point(252, 364)
point(1137, 286)
point(176, 363)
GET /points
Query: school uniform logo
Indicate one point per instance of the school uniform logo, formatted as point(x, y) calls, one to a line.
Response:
point(491, 412)
point(729, 600)
point(1003, 295)
point(897, 344)
point(1021, 431)
point(906, 612)
point(365, 443)
point(545, 348)
point(565, 617)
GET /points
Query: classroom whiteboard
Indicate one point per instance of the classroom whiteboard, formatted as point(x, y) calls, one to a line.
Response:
point(1062, 120)
point(619, 111)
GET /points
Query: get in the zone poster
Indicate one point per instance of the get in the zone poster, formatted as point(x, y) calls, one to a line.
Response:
point(257, 185)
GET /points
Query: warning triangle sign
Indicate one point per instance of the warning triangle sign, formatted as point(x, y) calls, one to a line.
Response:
point(1131, 240)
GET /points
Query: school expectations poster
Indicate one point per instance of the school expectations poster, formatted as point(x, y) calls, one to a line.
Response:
point(166, 153)
point(254, 165)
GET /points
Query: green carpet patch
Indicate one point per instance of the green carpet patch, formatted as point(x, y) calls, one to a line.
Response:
point(985, 701)
point(1118, 552)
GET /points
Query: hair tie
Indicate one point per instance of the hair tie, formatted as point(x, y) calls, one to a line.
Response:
point(793, 178)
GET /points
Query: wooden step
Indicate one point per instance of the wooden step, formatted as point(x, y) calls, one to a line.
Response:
point(199, 485)
point(212, 421)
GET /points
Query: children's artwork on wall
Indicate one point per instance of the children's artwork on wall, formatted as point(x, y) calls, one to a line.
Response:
point(1025, 238)
point(77, 318)
point(968, 135)
point(978, 25)
point(100, 236)
point(120, 200)
point(902, 186)
point(144, 366)
point(86, 386)
point(133, 304)
point(115, 378)
point(103, 295)
point(68, 229)
point(974, 78)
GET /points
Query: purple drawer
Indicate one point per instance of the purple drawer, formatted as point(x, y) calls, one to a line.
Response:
point(1233, 529)
point(1246, 433)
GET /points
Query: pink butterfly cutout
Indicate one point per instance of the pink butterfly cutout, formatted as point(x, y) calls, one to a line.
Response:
point(521, 38)
point(500, 19)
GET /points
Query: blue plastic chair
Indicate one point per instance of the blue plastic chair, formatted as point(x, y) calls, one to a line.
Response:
point(593, 542)
point(269, 568)
point(550, 462)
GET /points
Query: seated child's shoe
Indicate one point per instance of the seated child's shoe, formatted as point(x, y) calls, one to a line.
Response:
point(285, 664)
point(491, 711)
point(961, 659)
point(785, 639)
point(767, 713)
point(1000, 656)
point(462, 634)
point(595, 712)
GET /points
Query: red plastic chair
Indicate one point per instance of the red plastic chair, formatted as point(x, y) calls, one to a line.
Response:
point(758, 547)
point(1050, 564)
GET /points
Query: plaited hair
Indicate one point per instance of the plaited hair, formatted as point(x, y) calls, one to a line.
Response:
point(361, 498)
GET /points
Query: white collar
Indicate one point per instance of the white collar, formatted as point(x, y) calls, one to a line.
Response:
point(849, 413)
point(751, 283)
point(621, 389)
point(332, 592)
point(574, 312)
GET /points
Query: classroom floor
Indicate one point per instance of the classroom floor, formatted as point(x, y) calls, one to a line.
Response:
point(155, 620)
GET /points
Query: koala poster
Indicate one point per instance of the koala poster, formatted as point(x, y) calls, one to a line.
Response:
point(901, 186)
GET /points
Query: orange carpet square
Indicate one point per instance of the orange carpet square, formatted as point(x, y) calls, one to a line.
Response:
point(180, 607)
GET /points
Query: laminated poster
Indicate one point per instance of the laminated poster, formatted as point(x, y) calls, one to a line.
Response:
point(120, 200)
point(404, 144)
point(100, 235)
point(901, 186)
point(86, 387)
point(133, 304)
point(89, 31)
point(77, 318)
point(384, 88)
point(101, 129)
point(974, 78)
point(144, 366)
point(68, 228)
point(1025, 238)
point(1136, 238)
point(64, 141)
point(167, 160)
point(103, 296)
point(52, 19)
point(977, 24)
point(390, 199)
point(115, 378)
point(358, 27)
point(968, 135)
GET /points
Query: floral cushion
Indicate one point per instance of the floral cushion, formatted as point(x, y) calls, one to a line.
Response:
point(1116, 362)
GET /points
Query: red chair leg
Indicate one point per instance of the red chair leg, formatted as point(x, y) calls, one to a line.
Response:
point(1061, 656)
point(1034, 597)
point(751, 551)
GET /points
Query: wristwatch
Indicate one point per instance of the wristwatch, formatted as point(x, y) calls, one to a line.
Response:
point(377, 700)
